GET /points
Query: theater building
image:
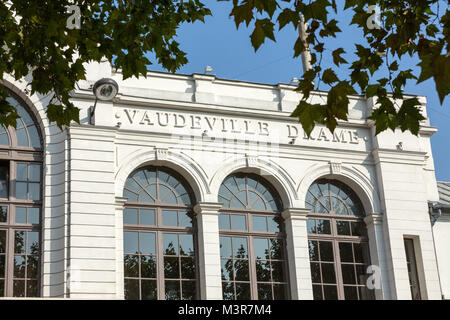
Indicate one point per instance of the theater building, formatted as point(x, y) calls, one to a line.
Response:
point(195, 187)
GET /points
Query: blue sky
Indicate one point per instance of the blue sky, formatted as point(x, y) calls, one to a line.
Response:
point(217, 43)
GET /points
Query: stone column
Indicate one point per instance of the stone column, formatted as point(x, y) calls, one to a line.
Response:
point(120, 284)
point(298, 253)
point(374, 223)
point(209, 250)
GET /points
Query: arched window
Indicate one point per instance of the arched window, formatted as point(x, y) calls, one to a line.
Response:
point(159, 242)
point(338, 247)
point(252, 240)
point(20, 205)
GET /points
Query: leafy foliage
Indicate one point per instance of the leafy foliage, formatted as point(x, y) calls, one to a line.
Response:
point(124, 32)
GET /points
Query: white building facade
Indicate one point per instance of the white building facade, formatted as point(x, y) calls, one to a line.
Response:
point(194, 187)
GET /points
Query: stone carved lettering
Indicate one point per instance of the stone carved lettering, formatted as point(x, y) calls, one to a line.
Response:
point(242, 127)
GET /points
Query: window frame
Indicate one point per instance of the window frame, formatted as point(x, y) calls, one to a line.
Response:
point(159, 229)
point(11, 155)
point(336, 238)
point(250, 234)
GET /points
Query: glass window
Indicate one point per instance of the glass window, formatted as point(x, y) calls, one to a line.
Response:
point(251, 206)
point(338, 249)
point(20, 210)
point(412, 269)
point(160, 215)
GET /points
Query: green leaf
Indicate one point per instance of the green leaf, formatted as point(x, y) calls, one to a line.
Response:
point(329, 77)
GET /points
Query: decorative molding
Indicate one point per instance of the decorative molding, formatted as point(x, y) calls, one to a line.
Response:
point(161, 153)
point(335, 167)
point(295, 213)
point(251, 160)
point(207, 208)
point(374, 218)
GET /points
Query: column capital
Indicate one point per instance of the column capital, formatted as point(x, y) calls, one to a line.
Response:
point(211, 208)
point(374, 218)
point(295, 213)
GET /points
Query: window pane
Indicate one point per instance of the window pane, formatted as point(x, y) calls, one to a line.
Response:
point(2, 241)
point(259, 223)
point(189, 290)
point(2, 266)
point(277, 271)
point(35, 191)
point(241, 272)
point(279, 291)
point(348, 274)
point(240, 247)
point(21, 215)
point(343, 228)
point(323, 226)
point(170, 244)
point(22, 138)
point(32, 288)
point(224, 221)
point(3, 214)
point(276, 248)
point(33, 242)
point(262, 270)
point(317, 293)
point(313, 250)
point(21, 190)
point(350, 293)
point(130, 241)
point(358, 229)
point(131, 266)
point(261, 248)
point(147, 243)
point(148, 267)
point(171, 268)
point(273, 225)
point(148, 289)
point(130, 216)
point(225, 247)
point(185, 219)
point(19, 242)
point(170, 218)
point(131, 289)
point(326, 251)
point(33, 215)
point(315, 272)
point(32, 266)
point(228, 290)
point(35, 172)
point(188, 268)
point(19, 288)
point(361, 274)
point(2, 288)
point(186, 245)
point(311, 225)
point(264, 292)
point(328, 275)
point(238, 222)
point(19, 266)
point(346, 253)
point(172, 290)
point(21, 174)
point(227, 269)
point(242, 291)
point(4, 181)
point(330, 292)
point(359, 257)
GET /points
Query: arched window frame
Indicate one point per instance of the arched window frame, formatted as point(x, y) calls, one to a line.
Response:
point(20, 227)
point(346, 232)
point(251, 234)
point(160, 229)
